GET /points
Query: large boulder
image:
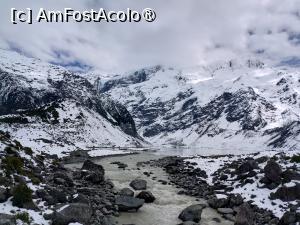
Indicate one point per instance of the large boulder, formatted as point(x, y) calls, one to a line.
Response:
point(126, 192)
point(72, 213)
point(192, 213)
point(95, 172)
point(63, 178)
point(289, 175)
point(285, 193)
point(6, 219)
point(273, 171)
point(147, 196)
point(91, 166)
point(245, 215)
point(128, 203)
point(221, 202)
point(247, 166)
point(138, 184)
point(289, 218)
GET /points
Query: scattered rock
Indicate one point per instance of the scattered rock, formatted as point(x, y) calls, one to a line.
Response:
point(138, 184)
point(188, 223)
point(247, 166)
point(225, 210)
point(126, 192)
point(6, 219)
point(289, 175)
point(91, 166)
point(285, 193)
point(289, 218)
point(95, 172)
point(147, 196)
point(216, 203)
point(3, 195)
point(273, 171)
point(245, 215)
point(127, 203)
point(72, 213)
point(192, 213)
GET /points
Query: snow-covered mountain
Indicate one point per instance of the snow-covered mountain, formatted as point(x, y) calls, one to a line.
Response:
point(235, 104)
point(51, 109)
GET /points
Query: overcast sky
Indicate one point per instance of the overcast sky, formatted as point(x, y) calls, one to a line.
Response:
point(184, 33)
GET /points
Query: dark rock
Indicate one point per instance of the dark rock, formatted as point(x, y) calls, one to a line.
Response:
point(225, 210)
point(122, 166)
point(126, 192)
point(188, 223)
point(262, 159)
point(6, 219)
point(91, 166)
point(138, 184)
point(95, 178)
point(57, 195)
point(80, 198)
point(147, 196)
point(127, 203)
point(288, 218)
point(218, 202)
point(3, 195)
point(192, 213)
point(290, 175)
point(245, 215)
point(235, 200)
point(95, 172)
point(247, 166)
point(287, 193)
point(273, 171)
point(72, 213)
point(63, 178)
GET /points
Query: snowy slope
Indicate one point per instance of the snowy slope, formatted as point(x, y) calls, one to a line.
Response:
point(227, 104)
point(51, 109)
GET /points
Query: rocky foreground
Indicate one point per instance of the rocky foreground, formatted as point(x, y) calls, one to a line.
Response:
point(241, 188)
point(39, 189)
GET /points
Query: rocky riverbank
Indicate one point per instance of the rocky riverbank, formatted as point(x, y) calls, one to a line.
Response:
point(259, 189)
point(251, 189)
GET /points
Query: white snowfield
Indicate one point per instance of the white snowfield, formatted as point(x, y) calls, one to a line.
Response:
point(275, 100)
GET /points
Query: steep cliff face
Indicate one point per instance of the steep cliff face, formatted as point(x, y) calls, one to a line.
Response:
point(227, 105)
point(46, 106)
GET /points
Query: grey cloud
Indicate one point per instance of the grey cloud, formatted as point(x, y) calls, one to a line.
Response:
point(185, 33)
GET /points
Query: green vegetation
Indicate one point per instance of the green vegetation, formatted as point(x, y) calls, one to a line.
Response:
point(12, 164)
point(24, 217)
point(34, 179)
point(295, 159)
point(21, 195)
point(4, 181)
point(15, 119)
point(10, 150)
point(28, 150)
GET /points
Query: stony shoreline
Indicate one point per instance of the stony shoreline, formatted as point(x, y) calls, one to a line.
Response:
point(40, 189)
point(185, 174)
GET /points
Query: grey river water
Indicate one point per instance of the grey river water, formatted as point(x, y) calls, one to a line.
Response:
point(168, 204)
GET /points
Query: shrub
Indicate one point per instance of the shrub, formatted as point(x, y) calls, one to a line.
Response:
point(11, 120)
point(295, 159)
point(12, 164)
point(24, 217)
point(28, 150)
point(21, 195)
point(35, 180)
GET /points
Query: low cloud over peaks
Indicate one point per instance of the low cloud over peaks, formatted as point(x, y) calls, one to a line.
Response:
point(183, 34)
